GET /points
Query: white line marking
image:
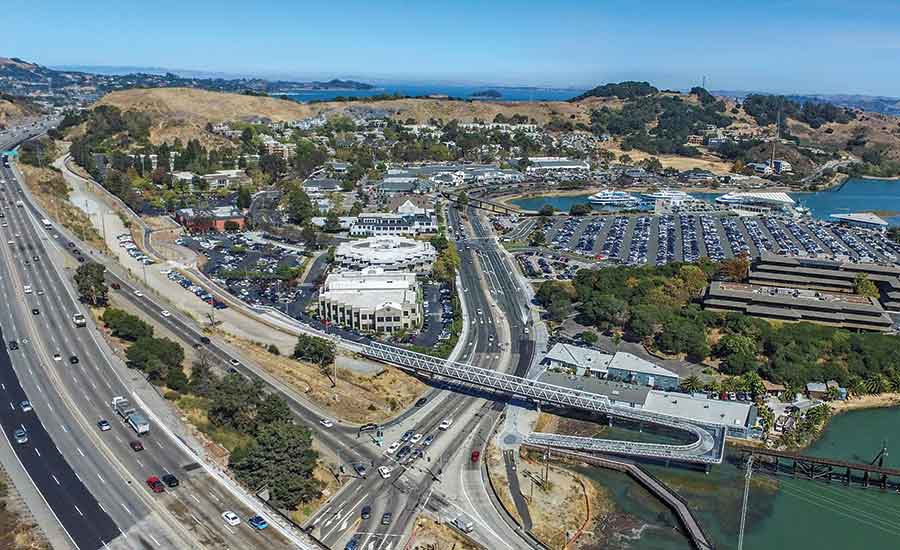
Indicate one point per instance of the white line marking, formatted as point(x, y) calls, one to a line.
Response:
point(37, 451)
point(80, 451)
point(54, 479)
point(79, 512)
point(195, 519)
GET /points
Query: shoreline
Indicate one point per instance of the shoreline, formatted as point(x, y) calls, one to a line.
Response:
point(879, 401)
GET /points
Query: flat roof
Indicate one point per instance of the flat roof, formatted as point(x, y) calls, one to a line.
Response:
point(623, 360)
point(730, 413)
point(588, 358)
point(861, 217)
point(769, 197)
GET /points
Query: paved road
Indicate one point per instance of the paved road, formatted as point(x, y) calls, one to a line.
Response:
point(70, 399)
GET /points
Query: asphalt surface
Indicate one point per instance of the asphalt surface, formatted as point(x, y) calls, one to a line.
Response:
point(71, 398)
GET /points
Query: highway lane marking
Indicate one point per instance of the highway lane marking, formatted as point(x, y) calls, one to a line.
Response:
point(158, 444)
point(63, 428)
point(54, 479)
point(37, 451)
point(193, 496)
point(217, 499)
point(78, 510)
point(154, 539)
point(101, 478)
point(11, 406)
point(100, 504)
point(197, 520)
point(139, 462)
point(80, 451)
point(130, 513)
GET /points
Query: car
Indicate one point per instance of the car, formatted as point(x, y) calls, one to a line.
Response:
point(35, 311)
point(136, 445)
point(384, 472)
point(421, 402)
point(234, 362)
point(155, 484)
point(36, 258)
point(445, 425)
point(81, 259)
point(360, 469)
point(415, 438)
point(13, 345)
point(401, 454)
point(205, 341)
point(352, 544)
point(138, 293)
point(429, 439)
point(170, 480)
point(327, 423)
point(73, 359)
point(40, 292)
point(476, 454)
point(165, 313)
point(386, 518)
point(394, 446)
point(231, 518)
point(258, 522)
point(407, 435)
point(21, 435)
point(26, 406)
point(57, 357)
point(104, 425)
point(116, 286)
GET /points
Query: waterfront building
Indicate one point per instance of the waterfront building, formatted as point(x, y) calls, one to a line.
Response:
point(758, 202)
point(850, 311)
point(866, 220)
point(552, 164)
point(621, 366)
point(386, 223)
point(387, 252)
point(371, 300)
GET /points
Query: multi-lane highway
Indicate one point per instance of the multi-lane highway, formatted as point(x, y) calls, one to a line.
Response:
point(92, 480)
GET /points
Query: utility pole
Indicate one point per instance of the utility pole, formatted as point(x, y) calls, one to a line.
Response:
point(744, 505)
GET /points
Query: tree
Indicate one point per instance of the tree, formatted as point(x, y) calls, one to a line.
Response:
point(580, 210)
point(177, 380)
point(547, 210)
point(588, 337)
point(91, 284)
point(273, 410)
point(299, 208)
point(233, 402)
point(332, 222)
point(691, 384)
point(538, 238)
point(202, 380)
point(281, 458)
point(314, 350)
point(751, 382)
point(124, 325)
point(231, 226)
point(462, 200)
point(865, 287)
point(244, 198)
point(736, 269)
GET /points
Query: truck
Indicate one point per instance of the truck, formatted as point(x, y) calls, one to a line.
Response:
point(46, 223)
point(464, 524)
point(136, 420)
point(79, 320)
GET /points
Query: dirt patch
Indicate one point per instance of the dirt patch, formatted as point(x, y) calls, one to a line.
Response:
point(17, 531)
point(51, 191)
point(357, 398)
point(431, 535)
point(562, 507)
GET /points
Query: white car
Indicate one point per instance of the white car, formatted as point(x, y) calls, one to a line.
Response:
point(165, 313)
point(394, 446)
point(446, 424)
point(415, 438)
point(327, 423)
point(138, 293)
point(231, 518)
point(57, 357)
point(384, 471)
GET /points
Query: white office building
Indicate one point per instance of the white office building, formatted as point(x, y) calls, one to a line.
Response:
point(371, 300)
point(388, 252)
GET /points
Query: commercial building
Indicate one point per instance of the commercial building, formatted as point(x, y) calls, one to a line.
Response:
point(621, 366)
point(866, 220)
point(386, 252)
point(843, 310)
point(759, 202)
point(552, 164)
point(827, 275)
point(219, 219)
point(220, 179)
point(371, 300)
point(739, 418)
point(376, 224)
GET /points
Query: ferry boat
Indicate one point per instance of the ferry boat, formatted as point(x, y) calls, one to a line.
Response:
point(666, 193)
point(614, 198)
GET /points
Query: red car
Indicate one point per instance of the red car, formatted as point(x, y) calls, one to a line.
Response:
point(476, 455)
point(136, 445)
point(155, 484)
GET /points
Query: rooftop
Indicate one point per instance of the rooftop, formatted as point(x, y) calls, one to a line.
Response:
point(632, 363)
point(861, 217)
point(729, 413)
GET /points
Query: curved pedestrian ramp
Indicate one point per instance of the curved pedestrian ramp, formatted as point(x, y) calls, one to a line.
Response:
point(707, 447)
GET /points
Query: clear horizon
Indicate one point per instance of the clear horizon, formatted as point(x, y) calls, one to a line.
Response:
point(781, 46)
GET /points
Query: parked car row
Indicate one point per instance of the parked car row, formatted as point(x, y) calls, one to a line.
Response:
point(126, 242)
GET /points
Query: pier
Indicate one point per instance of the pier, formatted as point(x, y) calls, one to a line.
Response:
point(781, 463)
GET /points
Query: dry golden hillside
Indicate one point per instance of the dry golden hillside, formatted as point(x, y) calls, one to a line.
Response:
point(9, 111)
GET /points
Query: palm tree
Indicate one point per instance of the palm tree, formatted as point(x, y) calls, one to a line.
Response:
point(874, 384)
point(691, 384)
point(713, 386)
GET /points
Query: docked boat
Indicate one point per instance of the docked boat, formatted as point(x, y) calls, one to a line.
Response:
point(614, 198)
point(666, 193)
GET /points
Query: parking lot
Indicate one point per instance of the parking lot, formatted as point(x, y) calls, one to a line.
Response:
point(659, 239)
point(255, 272)
point(438, 315)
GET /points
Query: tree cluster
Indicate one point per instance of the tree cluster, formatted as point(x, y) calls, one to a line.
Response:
point(623, 90)
point(91, 283)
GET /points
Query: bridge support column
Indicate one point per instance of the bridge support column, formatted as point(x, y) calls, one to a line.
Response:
point(829, 474)
point(847, 477)
point(884, 481)
point(776, 465)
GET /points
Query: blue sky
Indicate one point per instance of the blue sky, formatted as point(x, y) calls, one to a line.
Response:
point(829, 46)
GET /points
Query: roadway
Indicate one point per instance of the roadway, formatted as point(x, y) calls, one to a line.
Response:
point(69, 399)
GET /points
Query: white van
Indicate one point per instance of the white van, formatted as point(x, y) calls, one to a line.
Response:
point(27, 289)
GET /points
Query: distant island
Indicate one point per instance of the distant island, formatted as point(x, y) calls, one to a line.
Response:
point(487, 94)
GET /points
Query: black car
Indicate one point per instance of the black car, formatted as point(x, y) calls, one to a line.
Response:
point(170, 480)
point(386, 518)
point(73, 359)
point(35, 311)
point(360, 469)
point(13, 345)
point(421, 402)
point(366, 512)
